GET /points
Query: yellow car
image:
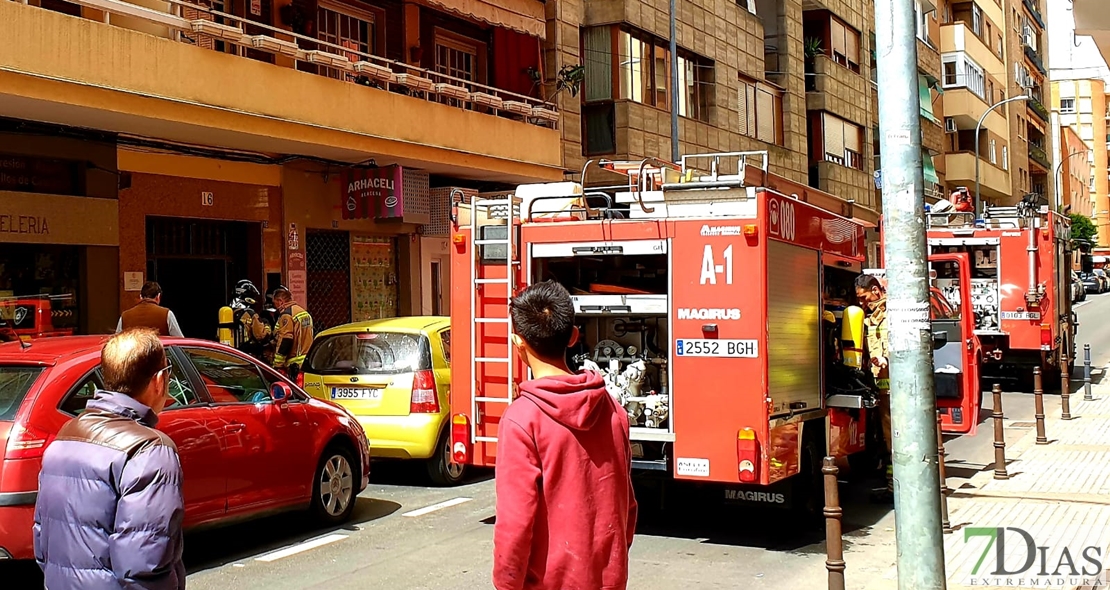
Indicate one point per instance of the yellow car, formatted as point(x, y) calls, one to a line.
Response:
point(394, 375)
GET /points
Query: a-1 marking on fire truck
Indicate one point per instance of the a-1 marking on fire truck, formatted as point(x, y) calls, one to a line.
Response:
point(745, 349)
point(693, 467)
point(710, 269)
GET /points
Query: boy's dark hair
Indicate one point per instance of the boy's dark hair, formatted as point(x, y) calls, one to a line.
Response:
point(868, 282)
point(543, 316)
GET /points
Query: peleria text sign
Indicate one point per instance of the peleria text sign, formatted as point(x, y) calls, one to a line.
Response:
point(373, 192)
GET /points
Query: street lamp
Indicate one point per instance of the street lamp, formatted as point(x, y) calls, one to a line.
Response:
point(977, 126)
point(1056, 177)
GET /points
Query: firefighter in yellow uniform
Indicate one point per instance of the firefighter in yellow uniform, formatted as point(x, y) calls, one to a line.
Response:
point(294, 333)
point(872, 297)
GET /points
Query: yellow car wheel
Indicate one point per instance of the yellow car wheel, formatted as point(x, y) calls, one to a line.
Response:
point(441, 470)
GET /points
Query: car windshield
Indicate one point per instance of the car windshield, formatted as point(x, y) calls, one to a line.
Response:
point(377, 353)
point(15, 382)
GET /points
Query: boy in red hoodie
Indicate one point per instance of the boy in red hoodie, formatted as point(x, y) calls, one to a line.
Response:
point(566, 512)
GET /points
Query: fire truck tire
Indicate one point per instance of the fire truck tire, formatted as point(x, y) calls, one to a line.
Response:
point(441, 470)
point(808, 486)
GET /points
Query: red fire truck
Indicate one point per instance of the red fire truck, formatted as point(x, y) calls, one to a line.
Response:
point(1021, 259)
point(711, 302)
point(36, 316)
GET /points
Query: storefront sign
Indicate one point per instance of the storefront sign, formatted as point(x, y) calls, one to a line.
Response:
point(256, 7)
point(51, 219)
point(373, 192)
point(37, 175)
point(297, 269)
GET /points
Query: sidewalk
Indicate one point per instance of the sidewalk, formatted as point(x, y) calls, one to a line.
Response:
point(1058, 495)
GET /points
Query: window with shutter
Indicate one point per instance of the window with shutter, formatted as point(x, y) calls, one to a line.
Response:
point(837, 34)
point(746, 108)
point(765, 116)
point(834, 138)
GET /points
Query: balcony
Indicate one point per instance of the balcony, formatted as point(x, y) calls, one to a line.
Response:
point(928, 58)
point(960, 171)
point(1031, 55)
point(1038, 155)
point(1038, 107)
point(834, 88)
point(1036, 14)
point(966, 108)
point(202, 79)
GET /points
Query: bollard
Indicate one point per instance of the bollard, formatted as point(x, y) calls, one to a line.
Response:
point(834, 542)
point(945, 524)
point(1065, 392)
point(1087, 373)
point(1038, 399)
point(999, 436)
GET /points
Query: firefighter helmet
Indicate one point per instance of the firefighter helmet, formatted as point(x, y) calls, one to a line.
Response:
point(246, 291)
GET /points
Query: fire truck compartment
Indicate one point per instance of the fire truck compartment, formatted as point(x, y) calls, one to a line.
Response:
point(986, 297)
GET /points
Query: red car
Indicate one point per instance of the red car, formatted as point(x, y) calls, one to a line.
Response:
point(251, 443)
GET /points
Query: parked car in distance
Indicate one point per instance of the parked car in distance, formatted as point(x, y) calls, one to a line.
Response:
point(1078, 291)
point(1091, 283)
point(394, 375)
point(1105, 278)
point(251, 443)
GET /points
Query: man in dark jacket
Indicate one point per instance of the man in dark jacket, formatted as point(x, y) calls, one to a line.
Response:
point(566, 512)
point(110, 503)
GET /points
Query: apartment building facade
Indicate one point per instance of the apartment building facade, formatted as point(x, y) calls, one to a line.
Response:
point(1080, 106)
point(1077, 186)
point(312, 144)
point(1029, 120)
point(791, 78)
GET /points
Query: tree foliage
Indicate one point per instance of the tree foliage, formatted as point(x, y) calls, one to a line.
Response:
point(1082, 228)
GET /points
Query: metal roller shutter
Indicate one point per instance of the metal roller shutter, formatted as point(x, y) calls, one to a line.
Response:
point(793, 327)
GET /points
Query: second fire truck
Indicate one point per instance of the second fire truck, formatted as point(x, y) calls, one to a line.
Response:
point(718, 306)
point(1021, 260)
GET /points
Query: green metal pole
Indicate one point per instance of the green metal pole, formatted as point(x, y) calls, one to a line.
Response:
point(913, 399)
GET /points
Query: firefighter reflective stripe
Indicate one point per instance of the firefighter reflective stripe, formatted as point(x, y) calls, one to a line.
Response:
point(883, 384)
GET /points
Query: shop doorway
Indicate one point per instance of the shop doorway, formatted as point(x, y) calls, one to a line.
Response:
point(328, 273)
point(197, 263)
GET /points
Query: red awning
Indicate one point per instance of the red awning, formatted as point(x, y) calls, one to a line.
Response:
point(522, 16)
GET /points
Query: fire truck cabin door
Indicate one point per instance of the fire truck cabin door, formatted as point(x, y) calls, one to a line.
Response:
point(955, 346)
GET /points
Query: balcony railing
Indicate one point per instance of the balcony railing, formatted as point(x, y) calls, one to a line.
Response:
point(1038, 155)
point(1038, 107)
point(1036, 13)
point(1036, 59)
point(206, 26)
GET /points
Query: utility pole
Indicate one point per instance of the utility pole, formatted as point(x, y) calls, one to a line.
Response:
point(913, 398)
point(674, 85)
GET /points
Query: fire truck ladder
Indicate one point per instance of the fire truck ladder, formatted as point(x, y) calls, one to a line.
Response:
point(491, 209)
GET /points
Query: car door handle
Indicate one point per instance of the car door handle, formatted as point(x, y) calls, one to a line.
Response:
point(234, 427)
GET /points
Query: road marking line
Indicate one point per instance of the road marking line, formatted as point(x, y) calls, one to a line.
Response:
point(434, 507)
point(301, 547)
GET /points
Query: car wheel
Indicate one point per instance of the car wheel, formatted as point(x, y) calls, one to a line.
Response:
point(441, 470)
point(333, 491)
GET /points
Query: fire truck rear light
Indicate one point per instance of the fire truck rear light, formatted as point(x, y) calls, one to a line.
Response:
point(747, 455)
point(458, 239)
point(1046, 336)
point(460, 439)
point(751, 230)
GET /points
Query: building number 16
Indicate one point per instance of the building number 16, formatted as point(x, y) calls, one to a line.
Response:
point(710, 269)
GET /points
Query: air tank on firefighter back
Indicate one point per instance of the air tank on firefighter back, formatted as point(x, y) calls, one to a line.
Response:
point(227, 322)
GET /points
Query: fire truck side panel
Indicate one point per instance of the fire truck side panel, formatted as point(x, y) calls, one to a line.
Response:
point(800, 223)
point(793, 329)
point(719, 348)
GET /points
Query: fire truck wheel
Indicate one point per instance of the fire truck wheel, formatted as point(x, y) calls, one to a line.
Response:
point(441, 470)
point(808, 487)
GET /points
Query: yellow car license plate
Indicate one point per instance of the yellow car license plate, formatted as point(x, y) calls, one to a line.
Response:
point(359, 393)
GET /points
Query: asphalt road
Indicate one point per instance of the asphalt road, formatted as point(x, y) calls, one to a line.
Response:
point(408, 535)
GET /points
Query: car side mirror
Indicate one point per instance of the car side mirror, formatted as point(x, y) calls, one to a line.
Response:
point(280, 392)
point(939, 340)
